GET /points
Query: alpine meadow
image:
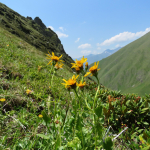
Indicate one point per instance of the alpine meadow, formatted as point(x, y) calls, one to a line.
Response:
point(48, 101)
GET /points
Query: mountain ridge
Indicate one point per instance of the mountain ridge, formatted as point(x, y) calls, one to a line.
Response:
point(93, 58)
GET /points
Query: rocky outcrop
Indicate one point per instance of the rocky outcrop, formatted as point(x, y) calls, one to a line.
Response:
point(39, 22)
point(32, 31)
point(30, 18)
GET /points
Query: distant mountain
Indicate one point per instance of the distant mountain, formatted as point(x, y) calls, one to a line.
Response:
point(112, 51)
point(93, 58)
point(87, 56)
point(128, 69)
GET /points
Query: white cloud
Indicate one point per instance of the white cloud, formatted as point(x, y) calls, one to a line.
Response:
point(51, 27)
point(117, 45)
point(60, 34)
point(61, 28)
point(77, 40)
point(85, 52)
point(84, 46)
point(124, 36)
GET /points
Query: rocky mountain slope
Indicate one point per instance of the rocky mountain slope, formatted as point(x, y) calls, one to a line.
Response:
point(32, 31)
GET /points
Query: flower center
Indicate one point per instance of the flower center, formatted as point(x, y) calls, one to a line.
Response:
point(72, 83)
point(93, 70)
point(55, 58)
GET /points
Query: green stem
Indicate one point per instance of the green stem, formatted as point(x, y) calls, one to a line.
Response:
point(82, 78)
point(85, 99)
point(75, 119)
point(79, 115)
point(82, 138)
point(95, 131)
point(66, 113)
point(60, 136)
point(76, 112)
point(97, 80)
point(52, 77)
point(51, 70)
point(78, 99)
point(95, 100)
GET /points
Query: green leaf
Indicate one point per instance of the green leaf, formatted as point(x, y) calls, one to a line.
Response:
point(46, 118)
point(79, 124)
point(133, 135)
point(139, 131)
point(128, 102)
point(129, 111)
point(76, 141)
point(99, 129)
point(123, 107)
point(146, 148)
point(144, 110)
point(98, 111)
point(146, 123)
point(108, 144)
point(43, 136)
point(57, 143)
point(62, 147)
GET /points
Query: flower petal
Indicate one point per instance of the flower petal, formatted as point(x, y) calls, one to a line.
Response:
point(87, 74)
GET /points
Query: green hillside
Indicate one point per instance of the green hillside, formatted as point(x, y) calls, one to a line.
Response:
point(128, 69)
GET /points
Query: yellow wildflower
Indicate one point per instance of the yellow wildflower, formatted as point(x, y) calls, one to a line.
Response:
point(53, 58)
point(81, 85)
point(58, 66)
point(2, 100)
point(40, 116)
point(7, 45)
point(39, 68)
point(79, 63)
point(29, 91)
point(71, 82)
point(93, 70)
point(77, 70)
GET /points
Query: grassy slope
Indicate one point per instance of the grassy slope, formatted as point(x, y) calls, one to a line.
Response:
point(21, 60)
point(128, 69)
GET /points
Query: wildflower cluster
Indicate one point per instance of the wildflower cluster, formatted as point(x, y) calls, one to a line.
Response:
point(93, 70)
point(76, 106)
point(71, 83)
point(78, 65)
point(55, 60)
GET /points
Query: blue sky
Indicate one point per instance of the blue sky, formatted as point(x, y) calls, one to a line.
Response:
point(89, 26)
